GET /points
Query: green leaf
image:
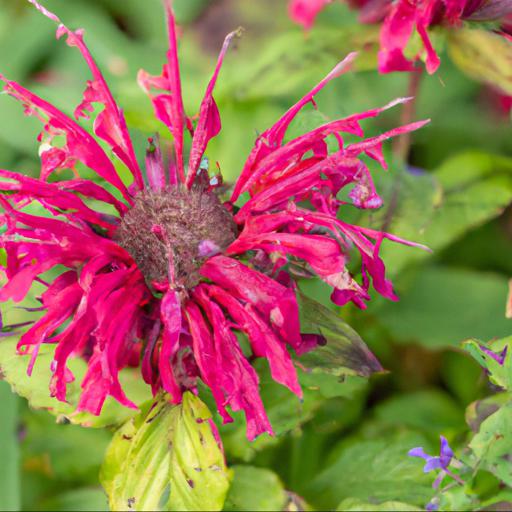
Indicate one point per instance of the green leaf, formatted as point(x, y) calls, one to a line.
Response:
point(355, 505)
point(35, 388)
point(480, 410)
point(378, 468)
point(275, 70)
point(441, 306)
point(10, 498)
point(344, 352)
point(458, 498)
point(284, 410)
point(59, 447)
point(90, 498)
point(492, 444)
point(255, 489)
point(483, 55)
point(338, 369)
point(429, 410)
point(499, 374)
point(167, 458)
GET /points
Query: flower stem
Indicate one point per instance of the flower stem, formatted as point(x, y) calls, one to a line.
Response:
point(402, 144)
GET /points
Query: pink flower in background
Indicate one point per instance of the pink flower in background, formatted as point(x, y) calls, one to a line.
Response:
point(401, 18)
point(159, 269)
point(405, 16)
point(304, 12)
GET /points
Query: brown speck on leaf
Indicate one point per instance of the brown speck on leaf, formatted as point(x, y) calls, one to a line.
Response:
point(131, 502)
point(127, 438)
point(190, 483)
point(198, 469)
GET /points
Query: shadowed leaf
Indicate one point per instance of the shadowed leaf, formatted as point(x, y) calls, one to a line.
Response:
point(344, 352)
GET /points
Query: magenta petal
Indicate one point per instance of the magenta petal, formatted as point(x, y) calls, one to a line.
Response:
point(170, 312)
point(206, 356)
point(235, 375)
point(155, 166)
point(264, 341)
point(433, 61)
point(93, 191)
point(304, 12)
point(110, 125)
point(80, 145)
point(273, 137)
point(169, 104)
point(62, 307)
point(396, 30)
point(52, 195)
point(276, 302)
point(209, 123)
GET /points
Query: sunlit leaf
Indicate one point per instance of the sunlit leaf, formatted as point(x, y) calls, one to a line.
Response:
point(483, 55)
point(167, 458)
point(492, 444)
point(35, 388)
point(496, 357)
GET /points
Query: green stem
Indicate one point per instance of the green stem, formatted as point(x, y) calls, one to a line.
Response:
point(402, 144)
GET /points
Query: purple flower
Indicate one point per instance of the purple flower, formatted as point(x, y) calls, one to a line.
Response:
point(498, 357)
point(433, 463)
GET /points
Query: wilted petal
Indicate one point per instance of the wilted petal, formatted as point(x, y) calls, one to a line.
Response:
point(110, 124)
point(209, 124)
point(277, 303)
point(80, 145)
point(236, 376)
point(264, 341)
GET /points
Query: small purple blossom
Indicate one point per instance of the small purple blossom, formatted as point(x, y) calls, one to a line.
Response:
point(433, 463)
point(431, 505)
point(498, 357)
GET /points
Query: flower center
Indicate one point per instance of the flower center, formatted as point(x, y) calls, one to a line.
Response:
point(175, 230)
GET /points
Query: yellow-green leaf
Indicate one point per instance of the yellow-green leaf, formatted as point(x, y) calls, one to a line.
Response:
point(167, 458)
point(483, 55)
point(35, 388)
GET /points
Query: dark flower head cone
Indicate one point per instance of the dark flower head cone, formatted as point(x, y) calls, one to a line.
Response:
point(172, 274)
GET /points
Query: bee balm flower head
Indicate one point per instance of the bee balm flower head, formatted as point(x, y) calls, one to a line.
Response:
point(172, 273)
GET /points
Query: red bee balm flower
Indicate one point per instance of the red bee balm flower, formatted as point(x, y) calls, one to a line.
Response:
point(171, 273)
point(304, 12)
point(401, 17)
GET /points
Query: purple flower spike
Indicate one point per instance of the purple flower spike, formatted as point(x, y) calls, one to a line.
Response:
point(432, 463)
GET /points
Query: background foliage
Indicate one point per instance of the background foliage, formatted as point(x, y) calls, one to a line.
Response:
point(346, 444)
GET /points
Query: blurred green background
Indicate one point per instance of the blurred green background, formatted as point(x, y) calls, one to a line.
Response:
point(454, 197)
